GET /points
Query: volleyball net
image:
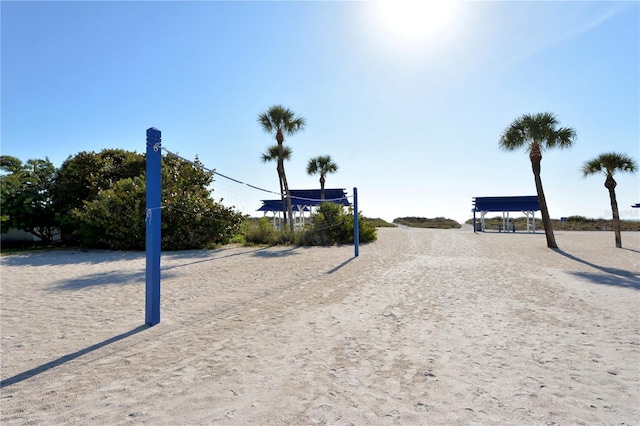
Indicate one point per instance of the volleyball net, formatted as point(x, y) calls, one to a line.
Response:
point(254, 201)
point(232, 193)
point(249, 200)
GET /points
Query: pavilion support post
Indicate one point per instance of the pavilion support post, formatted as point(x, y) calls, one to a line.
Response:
point(474, 221)
point(533, 215)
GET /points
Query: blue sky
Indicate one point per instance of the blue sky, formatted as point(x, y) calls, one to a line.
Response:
point(411, 118)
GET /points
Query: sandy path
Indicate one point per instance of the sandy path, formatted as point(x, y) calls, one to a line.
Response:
point(424, 327)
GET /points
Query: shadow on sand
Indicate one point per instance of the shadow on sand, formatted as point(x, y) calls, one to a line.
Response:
point(607, 275)
point(285, 251)
point(331, 271)
point(69, 357)
point(628, 249)
point(69, 257)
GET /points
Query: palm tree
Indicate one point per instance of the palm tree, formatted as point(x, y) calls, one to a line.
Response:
point(323, 165)
point(534, 133)
point(272, 155)
point(279, 120)
point(608, 164)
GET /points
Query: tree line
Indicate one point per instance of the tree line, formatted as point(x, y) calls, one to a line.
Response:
point(98, 200)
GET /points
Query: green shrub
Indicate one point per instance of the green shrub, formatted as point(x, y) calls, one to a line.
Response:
point(422, 222)
point(116, 218)
point(331, 225)
point(574, 223)
point(380, 223)
point(260, 232)
point(578, 219)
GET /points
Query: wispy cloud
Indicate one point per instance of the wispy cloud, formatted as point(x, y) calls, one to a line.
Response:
point(554, 26)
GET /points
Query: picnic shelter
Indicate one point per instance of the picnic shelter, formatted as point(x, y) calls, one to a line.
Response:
point(527, 204)
point(304, 202)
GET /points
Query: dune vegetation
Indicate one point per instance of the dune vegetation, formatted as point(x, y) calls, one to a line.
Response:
point(573, 223)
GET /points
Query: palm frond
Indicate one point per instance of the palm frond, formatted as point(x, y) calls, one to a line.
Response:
point(561, 138)
point(609, 163)
point(265, 122)
point(312, 166)
point(273, 152)
point(536, 130)
point(591, 167)
point(293, 125)
point(277, 117)
point(514, 137)
point(323, 164)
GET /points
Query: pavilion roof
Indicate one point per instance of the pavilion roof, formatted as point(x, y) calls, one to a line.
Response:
point(301, 199)
point(506, 204)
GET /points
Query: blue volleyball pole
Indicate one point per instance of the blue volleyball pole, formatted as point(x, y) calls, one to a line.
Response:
point(153, 228)
point(356, 227)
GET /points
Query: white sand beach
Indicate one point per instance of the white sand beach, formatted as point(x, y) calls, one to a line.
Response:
point(425, 327)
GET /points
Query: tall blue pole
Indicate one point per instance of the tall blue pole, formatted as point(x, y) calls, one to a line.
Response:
point(153, 229)
point(356, 227)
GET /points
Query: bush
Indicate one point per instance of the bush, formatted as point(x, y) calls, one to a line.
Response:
point(422, 222)
point(116, 218)
point(578, 219)
point(260, 232)
point(331, 225)
point(380, 223)
point(191, 219)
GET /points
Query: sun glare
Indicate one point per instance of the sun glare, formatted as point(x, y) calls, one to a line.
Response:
point(416, 20)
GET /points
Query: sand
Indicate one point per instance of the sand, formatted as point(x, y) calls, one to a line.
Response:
point(425, 327)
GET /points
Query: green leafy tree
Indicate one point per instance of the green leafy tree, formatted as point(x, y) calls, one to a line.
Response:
point(10, 184)
point(609, 164)
point(321, 165)
point(115, 218)
point(272, 154)
point(535, 133)
point(25, 196)
point(83, 176)
point(192, 218)
point(279, 120)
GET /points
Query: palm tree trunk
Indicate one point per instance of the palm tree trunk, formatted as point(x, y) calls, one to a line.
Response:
point(284, 206)
point(282, 192)
point(289, 204)
point(611, 184)
point(544, 211)
point(322, 181)
point(283, 181)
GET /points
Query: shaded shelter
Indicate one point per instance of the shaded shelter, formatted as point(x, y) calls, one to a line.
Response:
point(527, 204)
point(303, 202)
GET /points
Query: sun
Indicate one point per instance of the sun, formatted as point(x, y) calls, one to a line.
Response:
point(415, 20)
